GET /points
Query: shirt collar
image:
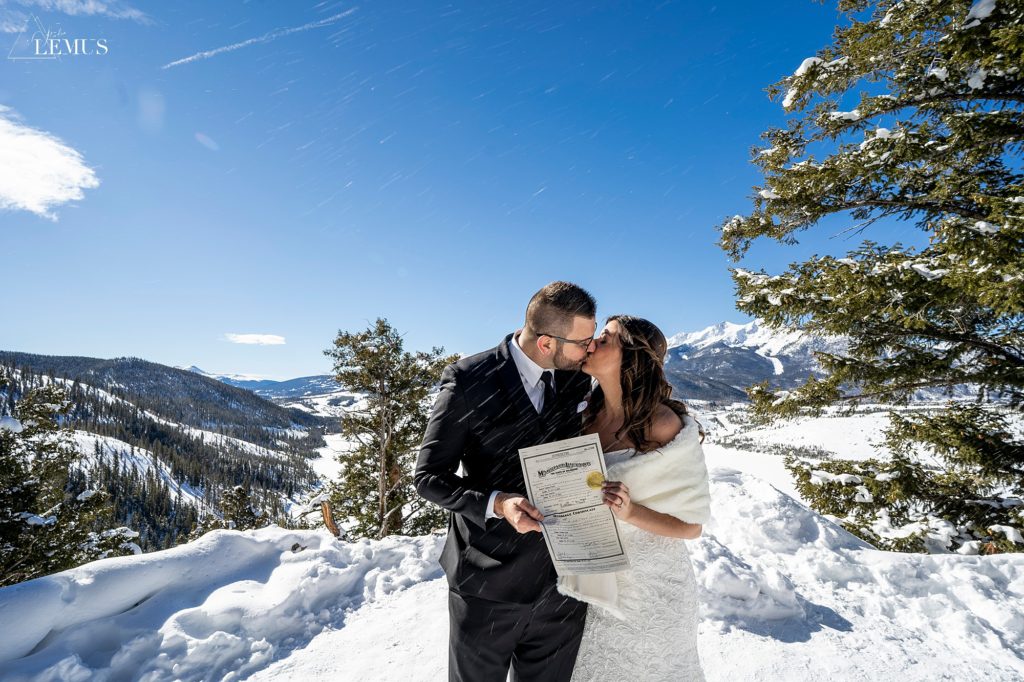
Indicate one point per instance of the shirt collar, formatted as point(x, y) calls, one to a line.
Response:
point(528, 369)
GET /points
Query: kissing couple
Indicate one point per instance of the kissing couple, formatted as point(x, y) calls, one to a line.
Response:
point(510, 615)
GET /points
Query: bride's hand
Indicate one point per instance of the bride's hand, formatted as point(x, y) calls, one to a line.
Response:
point(616, 496)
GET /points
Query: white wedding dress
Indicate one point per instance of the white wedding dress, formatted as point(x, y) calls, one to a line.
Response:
point(655, 639)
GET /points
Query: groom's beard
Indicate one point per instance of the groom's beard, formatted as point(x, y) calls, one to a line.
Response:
point(562, 362)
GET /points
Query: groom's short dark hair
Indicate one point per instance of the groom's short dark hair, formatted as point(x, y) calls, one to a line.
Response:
point(552, 309)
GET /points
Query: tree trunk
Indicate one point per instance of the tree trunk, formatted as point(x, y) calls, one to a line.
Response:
point(393, 523)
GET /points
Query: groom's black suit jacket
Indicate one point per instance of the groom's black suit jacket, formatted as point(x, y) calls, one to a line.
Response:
point(480, 420)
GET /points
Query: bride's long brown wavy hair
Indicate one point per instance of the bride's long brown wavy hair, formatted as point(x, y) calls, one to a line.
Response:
point(642, 375)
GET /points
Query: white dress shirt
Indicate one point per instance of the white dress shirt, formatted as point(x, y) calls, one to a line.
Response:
point(530, 372)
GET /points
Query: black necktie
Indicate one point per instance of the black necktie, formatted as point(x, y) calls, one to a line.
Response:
point(549, 391)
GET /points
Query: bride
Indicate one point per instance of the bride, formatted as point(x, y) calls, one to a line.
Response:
point(645, 624)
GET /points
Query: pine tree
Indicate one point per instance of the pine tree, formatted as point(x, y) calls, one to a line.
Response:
point(238, 509)
point(47, 513)
point(375, 488)
point(203, 525)
point(935, 138)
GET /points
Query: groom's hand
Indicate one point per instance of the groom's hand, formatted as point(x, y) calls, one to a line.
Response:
point(518, 511)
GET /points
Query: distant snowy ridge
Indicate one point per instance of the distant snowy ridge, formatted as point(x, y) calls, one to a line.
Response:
point(223, 376)
point(719, 362)
point(204, 434)
point(754, 334)
point(318, 395)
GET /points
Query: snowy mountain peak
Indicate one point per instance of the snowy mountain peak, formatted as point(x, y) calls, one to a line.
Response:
point(718, 362)
point(723, 331)
point(754, 334)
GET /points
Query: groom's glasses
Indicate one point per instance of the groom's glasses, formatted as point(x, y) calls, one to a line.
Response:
point(582, 343)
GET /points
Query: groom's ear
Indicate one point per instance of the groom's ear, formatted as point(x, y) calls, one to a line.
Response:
point(546, 345)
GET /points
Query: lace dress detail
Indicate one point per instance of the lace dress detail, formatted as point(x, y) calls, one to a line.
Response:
point(657, 641)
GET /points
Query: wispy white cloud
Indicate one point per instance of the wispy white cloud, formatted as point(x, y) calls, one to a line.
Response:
point(37, 170)
point(13, 19)
point(265, 38)
point(13, 22)
point(256, 339)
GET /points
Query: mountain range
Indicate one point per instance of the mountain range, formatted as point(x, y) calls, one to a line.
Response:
point(718, 362)
point(714, 364)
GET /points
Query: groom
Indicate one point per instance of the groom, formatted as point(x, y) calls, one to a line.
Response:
point(503, 607)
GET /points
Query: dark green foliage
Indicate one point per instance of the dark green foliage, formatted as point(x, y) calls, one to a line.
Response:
point(239, 514)
point(50, 519)
point(375, 490)
point(935, 138)
point(893, 499)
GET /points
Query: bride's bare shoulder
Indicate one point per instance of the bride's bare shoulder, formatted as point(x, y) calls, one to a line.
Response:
point(667, 425)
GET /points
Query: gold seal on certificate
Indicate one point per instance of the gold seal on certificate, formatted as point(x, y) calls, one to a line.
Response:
point(563, 480)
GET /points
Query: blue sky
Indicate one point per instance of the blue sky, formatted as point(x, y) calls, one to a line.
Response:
point(432, 163)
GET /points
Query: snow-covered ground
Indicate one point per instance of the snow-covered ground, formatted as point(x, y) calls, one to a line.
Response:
point(326, 465)
point(853, 437)
point(785, 594)
point(732, 442)
point(222, 607)
point(759, 450)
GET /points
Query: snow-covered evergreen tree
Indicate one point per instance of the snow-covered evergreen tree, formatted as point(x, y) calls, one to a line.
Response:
point(934, 137)
point(375, 487)
point(237, 512)
point(238, 509)
point(45, 525)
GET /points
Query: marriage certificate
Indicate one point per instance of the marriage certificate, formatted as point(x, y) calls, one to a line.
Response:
point(563, 480)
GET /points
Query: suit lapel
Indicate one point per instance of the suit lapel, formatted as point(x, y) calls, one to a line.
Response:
point(512, 383)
